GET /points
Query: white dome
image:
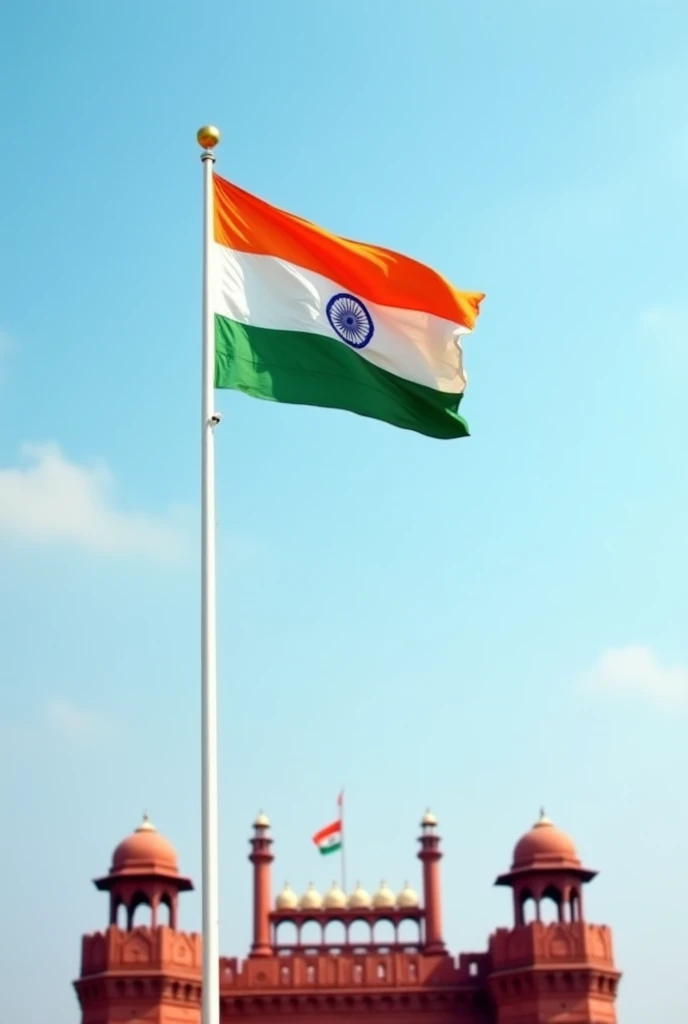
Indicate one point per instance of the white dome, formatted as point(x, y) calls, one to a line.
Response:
point(359, 899)
point(407, 898)
point(311, 899)
point(335, 899)
point(384, 898)
point(287, 899)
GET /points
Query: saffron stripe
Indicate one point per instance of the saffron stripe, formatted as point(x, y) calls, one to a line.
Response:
point(248, 224)
point(329, 830)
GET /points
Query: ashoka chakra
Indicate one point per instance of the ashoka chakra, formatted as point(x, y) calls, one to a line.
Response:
point(350, 320)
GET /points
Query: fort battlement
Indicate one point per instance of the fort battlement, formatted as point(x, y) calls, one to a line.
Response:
point(354, 955)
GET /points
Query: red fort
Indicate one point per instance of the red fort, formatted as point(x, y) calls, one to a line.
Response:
point(353, 958)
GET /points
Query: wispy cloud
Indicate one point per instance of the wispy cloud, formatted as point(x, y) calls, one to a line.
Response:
point(48, 499)
point(53, 719)
point(74, 723)
point(636, 671)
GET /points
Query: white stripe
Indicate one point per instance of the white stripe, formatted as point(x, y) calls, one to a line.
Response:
point(336, 837)
point(263, 291)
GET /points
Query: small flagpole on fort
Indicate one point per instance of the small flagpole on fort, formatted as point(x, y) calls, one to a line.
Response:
point(340, 802)
point(208, 137)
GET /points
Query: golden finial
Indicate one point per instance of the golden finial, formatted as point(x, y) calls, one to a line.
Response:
point(146, 824)
point(208, 136)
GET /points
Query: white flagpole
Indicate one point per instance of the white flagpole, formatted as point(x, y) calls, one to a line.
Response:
point(208, 137)
point(340, 803)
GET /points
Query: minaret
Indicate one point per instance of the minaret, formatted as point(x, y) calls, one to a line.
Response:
point(141, 971)
point(430, 856)
point(261, 857)
point(561, 970)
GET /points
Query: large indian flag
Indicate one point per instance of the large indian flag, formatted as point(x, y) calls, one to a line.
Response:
point(330, 838)
point(306, 317)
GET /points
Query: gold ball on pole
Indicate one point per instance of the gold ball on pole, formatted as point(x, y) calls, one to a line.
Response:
point(208, 136)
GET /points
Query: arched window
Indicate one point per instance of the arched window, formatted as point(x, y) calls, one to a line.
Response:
point(551, 905)
point(120, 918)
point(527, 906)
point(165, 911)
point(381, 972)
point(358, 973)
point(574, 904)
point(359, 933)
point(408, 933)
point(311, 934)
point(286, 934)
point(285, 975)
point(335, 933)
point(139, 911)
point(384, 933)
point(310, 974)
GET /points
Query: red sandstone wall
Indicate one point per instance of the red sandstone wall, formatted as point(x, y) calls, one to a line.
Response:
point(350, 972)
point(552, 943)
point(142, 949)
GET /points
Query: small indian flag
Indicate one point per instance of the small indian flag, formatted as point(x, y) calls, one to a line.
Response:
point(306, 317)
point(330, 838)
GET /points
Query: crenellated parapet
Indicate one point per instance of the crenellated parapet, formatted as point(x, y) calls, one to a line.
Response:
point(555, 945)
point(142, 949)
point(329, 971)
point(373, 983)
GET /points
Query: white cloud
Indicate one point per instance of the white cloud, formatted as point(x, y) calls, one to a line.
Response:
point(636, 671)
point(54, 717)
point(73, 723)
point(49, 499)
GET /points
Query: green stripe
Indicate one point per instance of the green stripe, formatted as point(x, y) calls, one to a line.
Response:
point(330, 849)
point(310, 369)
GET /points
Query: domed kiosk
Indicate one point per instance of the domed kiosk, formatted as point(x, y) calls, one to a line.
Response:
point(545, 866)
point(144, 871)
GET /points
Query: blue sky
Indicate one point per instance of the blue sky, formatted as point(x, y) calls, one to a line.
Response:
point(482, 626)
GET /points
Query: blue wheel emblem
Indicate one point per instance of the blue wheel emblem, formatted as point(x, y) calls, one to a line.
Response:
point(350, 320)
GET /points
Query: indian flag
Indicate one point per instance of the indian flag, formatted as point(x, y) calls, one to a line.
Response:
point(306, 317)
point(330, 838)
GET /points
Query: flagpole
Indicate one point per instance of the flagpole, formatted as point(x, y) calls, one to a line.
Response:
point(343, 846)
point(208, 137)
